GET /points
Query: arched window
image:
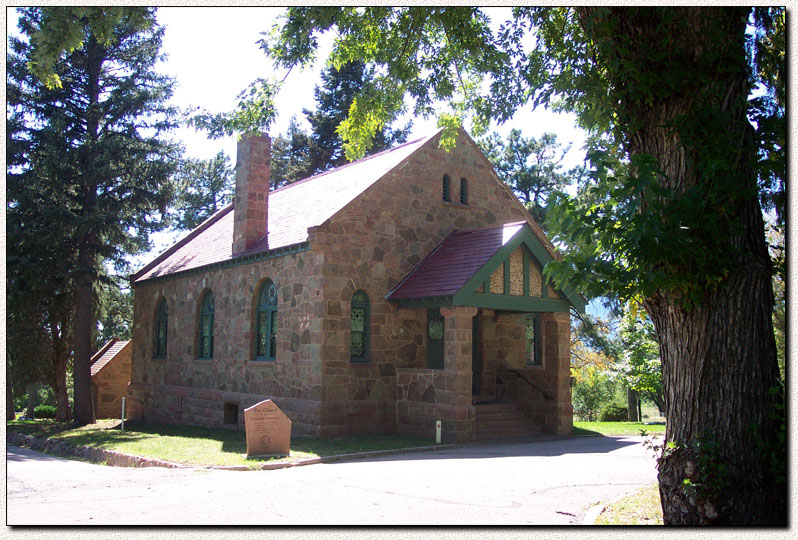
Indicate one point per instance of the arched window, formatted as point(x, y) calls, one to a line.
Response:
point(160, 329)
point(206, 327)
point(447, 188)
point(266, 322)
point(359, 328)
point(463, 191)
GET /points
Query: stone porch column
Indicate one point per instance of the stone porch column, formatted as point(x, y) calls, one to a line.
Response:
point(559, 416)
point(457, 371)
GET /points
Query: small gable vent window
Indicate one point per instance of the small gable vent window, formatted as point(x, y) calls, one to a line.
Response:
point(463, 191)
point(447, 188)
point(266, 320)
point(160, 329)
point(359, 328)
point(206, 327)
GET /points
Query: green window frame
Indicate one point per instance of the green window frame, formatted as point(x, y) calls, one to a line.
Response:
point(266, 323)
point(447, 188)
point(161, 321)
point(534, 354)
point(436, 328)
point(205, 330)
point(463, 191)
point(359, 322)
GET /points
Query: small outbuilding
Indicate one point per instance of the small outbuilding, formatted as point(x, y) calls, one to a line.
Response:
point(110, 375)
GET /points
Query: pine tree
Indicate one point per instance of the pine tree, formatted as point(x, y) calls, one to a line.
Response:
point(95, 144)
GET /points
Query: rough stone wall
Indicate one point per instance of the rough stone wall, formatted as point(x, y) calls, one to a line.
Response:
point(505, 347)
point(109, 385)
point(371, 245)
point(293, 381)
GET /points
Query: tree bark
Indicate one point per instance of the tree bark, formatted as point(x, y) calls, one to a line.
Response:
point(84, 314)
point(718, 354)
point(631, 405)
point(30, 408)
point(10, 413)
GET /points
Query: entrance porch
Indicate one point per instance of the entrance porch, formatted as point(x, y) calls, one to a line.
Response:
point(497, 339)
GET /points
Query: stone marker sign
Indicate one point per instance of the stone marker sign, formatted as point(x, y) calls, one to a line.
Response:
point(268, 430)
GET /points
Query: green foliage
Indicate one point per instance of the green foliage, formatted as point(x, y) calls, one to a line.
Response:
point(44, 411)
point(115, 313)
point(254, 113)
point(63, 30)
point(613, 413)
point(203, 187)
point(593, 390)
point(531, 167)
point(433, 55)
point(94, 149)
point(640, 367)
point(297, 154)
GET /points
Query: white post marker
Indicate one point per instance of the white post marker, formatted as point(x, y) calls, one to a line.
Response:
point(437, 432)
point(123, 413)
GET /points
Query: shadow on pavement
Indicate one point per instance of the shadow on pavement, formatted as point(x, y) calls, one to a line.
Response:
point(17, 454)
point(539, 446)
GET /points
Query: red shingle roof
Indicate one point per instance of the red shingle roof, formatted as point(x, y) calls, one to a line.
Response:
point(450, 265)
point(106, 354)
point(292, 210)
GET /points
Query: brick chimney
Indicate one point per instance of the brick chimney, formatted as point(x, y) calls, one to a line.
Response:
point(251, 203)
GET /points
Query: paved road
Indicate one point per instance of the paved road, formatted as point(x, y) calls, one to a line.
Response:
point(510, 483)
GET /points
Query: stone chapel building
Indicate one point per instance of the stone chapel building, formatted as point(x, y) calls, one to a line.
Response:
point(377, 297)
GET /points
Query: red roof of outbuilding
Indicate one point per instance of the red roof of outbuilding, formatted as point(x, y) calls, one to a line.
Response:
point(292, 210)
point(450, 265)
point(106, 354)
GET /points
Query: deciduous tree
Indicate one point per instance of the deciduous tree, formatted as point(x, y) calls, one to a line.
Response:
point(671, 213)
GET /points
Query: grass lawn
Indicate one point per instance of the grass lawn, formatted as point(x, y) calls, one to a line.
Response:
point(641, 508)
point(617, 428)
point(190, 445)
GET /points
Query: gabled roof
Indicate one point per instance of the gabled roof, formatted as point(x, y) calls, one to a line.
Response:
point(456, 259)
point(292, 210)
point(106, 353)
point(454, 272)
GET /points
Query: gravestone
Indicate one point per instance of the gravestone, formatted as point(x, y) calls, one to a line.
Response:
point(268, 430)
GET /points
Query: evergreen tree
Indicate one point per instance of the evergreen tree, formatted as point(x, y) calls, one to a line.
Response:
point(297, 154)
point(203, 187)
point(531, 167)
point(95, 143)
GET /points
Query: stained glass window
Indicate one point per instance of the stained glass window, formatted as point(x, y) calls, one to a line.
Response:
point(206, 327)
point(463, 191)
point(266, 331)
point(359, 328)
point(447, 188)
point(160, 329)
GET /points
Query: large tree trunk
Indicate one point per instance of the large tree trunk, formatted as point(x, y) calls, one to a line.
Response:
point(84, 410)
point(10, 413)
point(84, 314)
point(59, 333)
point(33, 389)
point(717, 347)
point(631, 405)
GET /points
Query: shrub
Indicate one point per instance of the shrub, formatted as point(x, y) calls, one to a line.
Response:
point(44, 411)
point(614, 413)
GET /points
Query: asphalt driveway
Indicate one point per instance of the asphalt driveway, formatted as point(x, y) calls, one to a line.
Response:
point(515, 482)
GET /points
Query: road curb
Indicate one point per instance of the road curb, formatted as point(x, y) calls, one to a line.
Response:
point(93, 454)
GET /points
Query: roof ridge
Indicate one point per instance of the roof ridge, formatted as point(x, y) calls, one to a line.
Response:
point(345, 165)
point(104, 349)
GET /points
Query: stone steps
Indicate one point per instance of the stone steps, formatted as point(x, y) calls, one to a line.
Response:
point(501, 420)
